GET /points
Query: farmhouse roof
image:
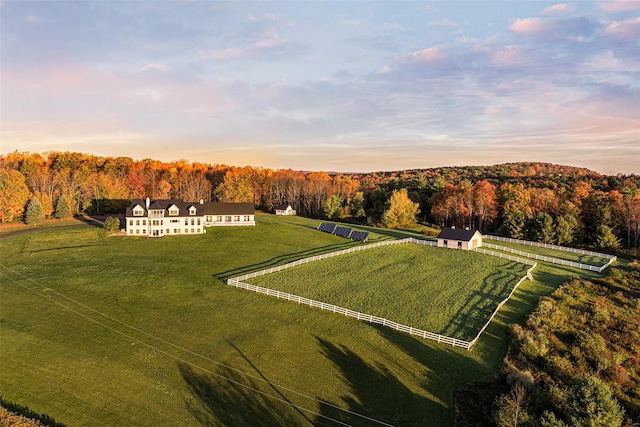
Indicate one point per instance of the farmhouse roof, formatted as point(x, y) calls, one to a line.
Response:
point(457, 234)
point(218, 208)
point(282, 207)
point(207, 208)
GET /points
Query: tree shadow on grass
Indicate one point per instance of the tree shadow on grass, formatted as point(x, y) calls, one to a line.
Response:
point(478, 308)
point(447, 368)
point(377, 397)
point(228, 398)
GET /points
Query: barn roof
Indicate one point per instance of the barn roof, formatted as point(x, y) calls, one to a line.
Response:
point(457, 234)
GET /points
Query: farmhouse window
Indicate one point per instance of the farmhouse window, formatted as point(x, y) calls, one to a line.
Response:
point(446, 243)
point(168, 231)
point(186, 221)
point(198, 221)
point(227, 218)
point(236, 218)
point(137, 222)
point(219, 218)
point(459, 245)
point(137, 212)
point(247, 218)
point(130, 222)
point(174, 212)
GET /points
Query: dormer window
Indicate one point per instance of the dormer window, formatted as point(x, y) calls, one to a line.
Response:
point(192, 210)
point(138, 212)
point(174, 211)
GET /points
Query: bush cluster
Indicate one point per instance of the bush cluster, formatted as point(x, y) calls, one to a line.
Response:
point(575, 361)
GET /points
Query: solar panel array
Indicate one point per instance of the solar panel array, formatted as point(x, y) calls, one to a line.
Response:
point(327, 227)
point(359, 235)
point(342, 231)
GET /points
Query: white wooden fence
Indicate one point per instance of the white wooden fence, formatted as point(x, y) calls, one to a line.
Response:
point(599, 269)
point(552, 260)
point(238, 282)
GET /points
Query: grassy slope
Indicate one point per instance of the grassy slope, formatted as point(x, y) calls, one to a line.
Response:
point(448, 292)
point(86, 369)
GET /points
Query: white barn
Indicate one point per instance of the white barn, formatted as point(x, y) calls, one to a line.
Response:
point(284, 209)
point(459, 238)
point(166, 217)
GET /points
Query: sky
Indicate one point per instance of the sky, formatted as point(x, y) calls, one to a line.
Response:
point(354, 86)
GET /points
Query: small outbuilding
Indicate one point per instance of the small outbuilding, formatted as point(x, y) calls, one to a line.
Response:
point(459, 238)
point(284, 209)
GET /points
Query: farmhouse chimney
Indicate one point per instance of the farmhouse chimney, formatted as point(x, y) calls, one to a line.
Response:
point(453, 227)
point(148, 203)
point(201, 201)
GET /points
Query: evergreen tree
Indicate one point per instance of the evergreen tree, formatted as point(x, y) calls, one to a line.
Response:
point(606, 239)
point(35, 213)
point(592, 404)
point(62, 208)
point(356, 205)
point(566, 229)
point(112, 224)
point(544, 231)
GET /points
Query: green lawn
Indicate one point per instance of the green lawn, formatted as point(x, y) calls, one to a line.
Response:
point(554, 253)
point(449, 292)
point(112, 331)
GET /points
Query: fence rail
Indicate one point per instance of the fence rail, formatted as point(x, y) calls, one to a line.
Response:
point(549, 246)
point(552, 260)
point(238, 282)
point(355, 314)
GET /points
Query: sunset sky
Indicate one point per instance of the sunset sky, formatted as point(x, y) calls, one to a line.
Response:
point(336, 86)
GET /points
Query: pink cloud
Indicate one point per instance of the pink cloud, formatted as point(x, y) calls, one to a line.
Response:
point(629, 28)
point(528, 26)
point(558, 9)
point(620, 6)
point(431, 54)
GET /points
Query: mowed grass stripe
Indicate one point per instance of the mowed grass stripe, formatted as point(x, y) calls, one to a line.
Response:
point(439, 290)
point(553, 253)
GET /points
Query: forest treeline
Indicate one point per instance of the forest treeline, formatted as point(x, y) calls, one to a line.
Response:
point(539, 201)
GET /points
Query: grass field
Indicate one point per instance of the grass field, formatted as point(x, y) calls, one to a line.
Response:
point(452, 293)
point(111, 331)
point(554, 253)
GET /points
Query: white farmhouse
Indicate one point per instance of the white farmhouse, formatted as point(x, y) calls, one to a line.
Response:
point(284, 209)
point(167, 217)
point(459, 238)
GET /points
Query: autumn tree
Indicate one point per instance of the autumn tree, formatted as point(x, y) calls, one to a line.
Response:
point(236, 188)
point(332, 208)
point(14, 194)
point(484, 200)
point(401, 211)
point(515, 201)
